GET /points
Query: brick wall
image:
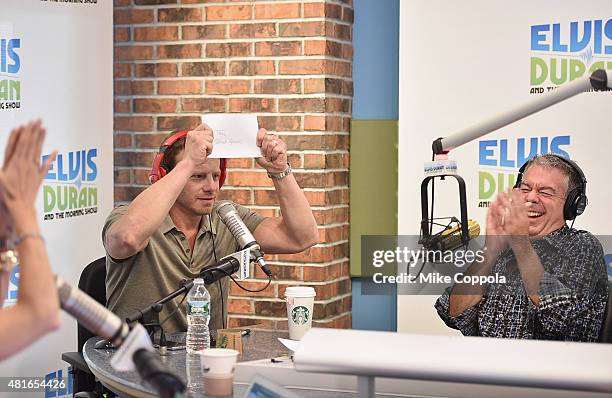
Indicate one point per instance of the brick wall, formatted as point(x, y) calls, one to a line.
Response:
point(287, 61)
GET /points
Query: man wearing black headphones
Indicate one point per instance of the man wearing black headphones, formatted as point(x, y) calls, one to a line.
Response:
point(555, 277)
point(171, 230)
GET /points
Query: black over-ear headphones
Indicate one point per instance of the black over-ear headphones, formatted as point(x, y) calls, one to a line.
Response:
point(576, 199)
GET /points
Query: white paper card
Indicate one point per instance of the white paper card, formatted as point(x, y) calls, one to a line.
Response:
point(235, 135)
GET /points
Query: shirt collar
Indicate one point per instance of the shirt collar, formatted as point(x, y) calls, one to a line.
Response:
point(553, 237)
point(205, 226)
point(560, 231)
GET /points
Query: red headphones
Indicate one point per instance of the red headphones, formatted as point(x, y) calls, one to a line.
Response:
point(157, 171)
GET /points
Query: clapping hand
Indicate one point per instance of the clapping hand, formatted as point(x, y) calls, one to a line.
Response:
point(21, 176)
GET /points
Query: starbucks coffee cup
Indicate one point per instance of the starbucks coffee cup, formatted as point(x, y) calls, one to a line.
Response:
point(300, 300)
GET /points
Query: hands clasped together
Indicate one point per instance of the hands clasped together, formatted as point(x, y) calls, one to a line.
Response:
point(507, 220)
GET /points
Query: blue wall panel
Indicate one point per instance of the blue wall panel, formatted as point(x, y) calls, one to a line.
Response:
point(375, 98)
point(373, 312)
point(376, 59)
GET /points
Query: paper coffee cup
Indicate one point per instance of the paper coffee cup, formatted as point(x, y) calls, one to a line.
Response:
point(218, 369)
point(218, 361)
point(300, 300)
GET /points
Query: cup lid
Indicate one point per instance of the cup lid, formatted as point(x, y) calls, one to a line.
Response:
point(300, 291)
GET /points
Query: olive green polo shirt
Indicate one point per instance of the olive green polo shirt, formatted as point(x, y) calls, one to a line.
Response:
point(156, 271)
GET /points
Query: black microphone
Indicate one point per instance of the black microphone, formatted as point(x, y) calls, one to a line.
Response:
point(230, 217)
point(225, 267)
point(91, 314)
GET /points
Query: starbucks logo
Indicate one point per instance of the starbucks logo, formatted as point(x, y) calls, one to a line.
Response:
point(300, 315)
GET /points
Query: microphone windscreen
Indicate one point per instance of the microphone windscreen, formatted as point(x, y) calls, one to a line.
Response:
point(473, 227)
point(450, 239)
point(224, 208)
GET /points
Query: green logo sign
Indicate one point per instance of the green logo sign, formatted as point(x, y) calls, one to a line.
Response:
point(300, 315)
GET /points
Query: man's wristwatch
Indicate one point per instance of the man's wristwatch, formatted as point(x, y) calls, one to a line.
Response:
point(282, 174)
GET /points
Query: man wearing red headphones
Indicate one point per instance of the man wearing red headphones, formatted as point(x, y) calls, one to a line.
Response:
point(171, 230)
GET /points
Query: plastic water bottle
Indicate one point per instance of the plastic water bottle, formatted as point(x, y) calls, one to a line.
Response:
point(198, 316)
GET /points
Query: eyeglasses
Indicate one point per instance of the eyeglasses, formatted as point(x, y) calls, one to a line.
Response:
point(546, 193)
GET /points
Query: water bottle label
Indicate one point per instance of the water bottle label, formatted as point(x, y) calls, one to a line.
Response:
point(198, 308)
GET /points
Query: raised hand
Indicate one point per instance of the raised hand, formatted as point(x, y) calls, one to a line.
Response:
point(273, 152)
point(199, 144)
point(22, 173)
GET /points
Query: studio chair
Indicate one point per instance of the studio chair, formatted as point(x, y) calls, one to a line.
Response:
point(92, 282)
point(606, 329)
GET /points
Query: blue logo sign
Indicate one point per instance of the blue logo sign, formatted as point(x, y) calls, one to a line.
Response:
point(13, 286)
point(69, 188)
point(10, 64)
point(58, 383)
point(498, 155)
point(562, 52)
point(9, 58)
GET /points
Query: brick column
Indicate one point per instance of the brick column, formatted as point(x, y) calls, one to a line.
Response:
point(290, 63)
